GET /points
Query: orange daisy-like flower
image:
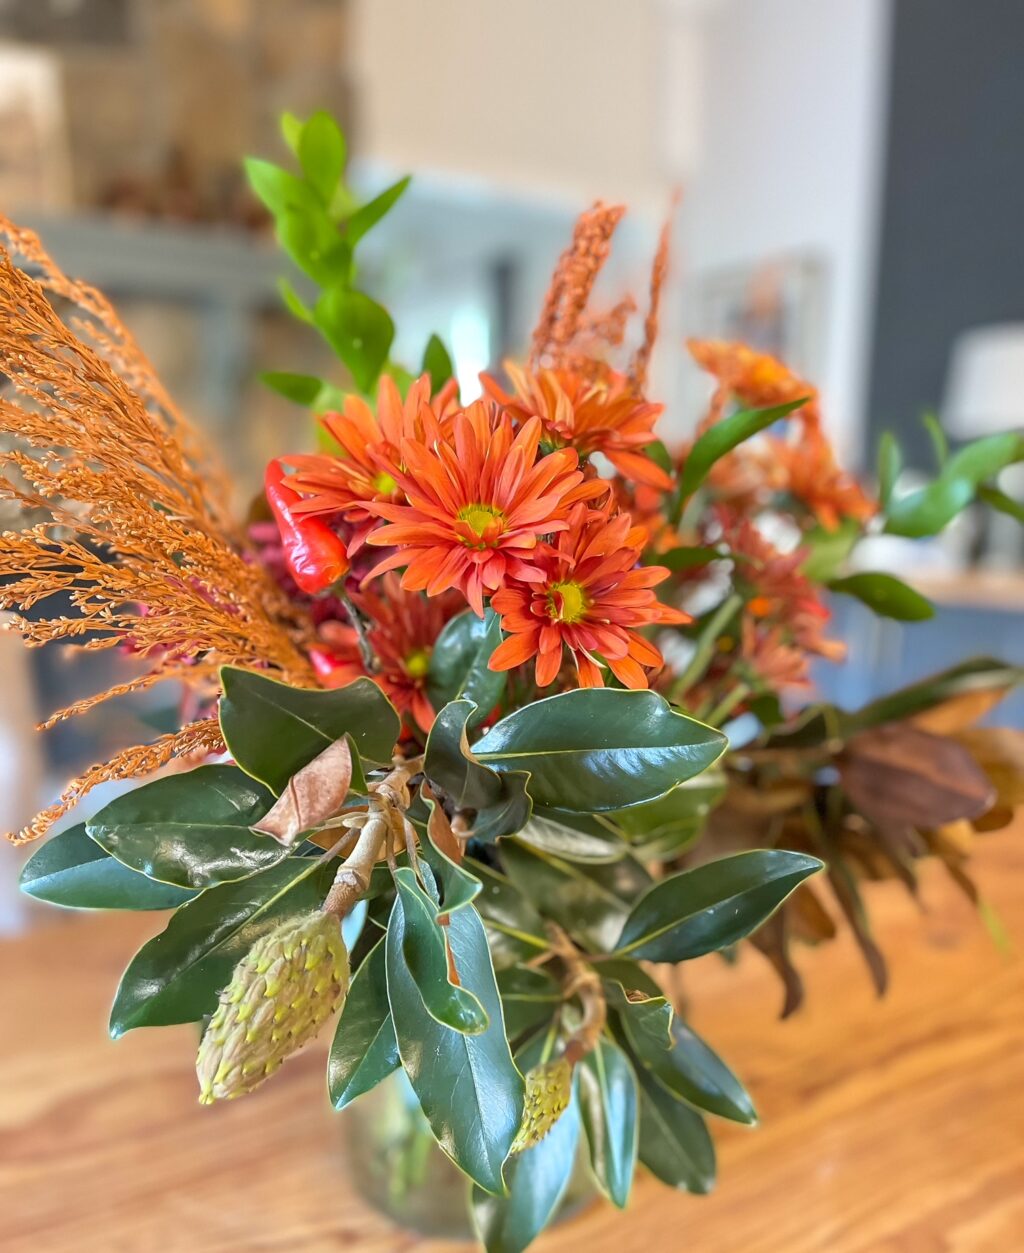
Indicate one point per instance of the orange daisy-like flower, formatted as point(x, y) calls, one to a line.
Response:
point(478, 501)
point(592, 598)
point(597, 414)
point(403, 630)
point(369, 448)
point(756, 379)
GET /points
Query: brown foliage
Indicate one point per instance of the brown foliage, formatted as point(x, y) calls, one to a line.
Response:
point(125, 523)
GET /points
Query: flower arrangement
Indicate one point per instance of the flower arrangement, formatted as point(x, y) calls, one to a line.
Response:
point(460, 752)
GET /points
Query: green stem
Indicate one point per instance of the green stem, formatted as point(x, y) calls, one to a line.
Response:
point(727, 704)
point(704, 651)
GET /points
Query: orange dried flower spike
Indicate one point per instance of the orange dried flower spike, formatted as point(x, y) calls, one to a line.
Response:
point(592, 599)
point(478, 500)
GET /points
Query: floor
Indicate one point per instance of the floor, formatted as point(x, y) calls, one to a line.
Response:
point(892, 1127)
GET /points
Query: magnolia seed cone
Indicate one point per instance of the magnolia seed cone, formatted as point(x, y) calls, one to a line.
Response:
point(280, 995)
point(548, 1088)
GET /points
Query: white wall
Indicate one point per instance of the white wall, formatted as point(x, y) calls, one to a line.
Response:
point(790, 161)
point(560, 98)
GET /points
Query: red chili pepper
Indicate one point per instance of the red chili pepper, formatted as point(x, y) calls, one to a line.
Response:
point(315, 555)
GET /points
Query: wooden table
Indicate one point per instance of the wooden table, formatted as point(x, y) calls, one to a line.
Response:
point(894, 1127)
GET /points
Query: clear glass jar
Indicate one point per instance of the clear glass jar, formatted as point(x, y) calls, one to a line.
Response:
point(395, 1163)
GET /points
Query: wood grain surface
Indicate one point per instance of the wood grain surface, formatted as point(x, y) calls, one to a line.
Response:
point(892, 1127)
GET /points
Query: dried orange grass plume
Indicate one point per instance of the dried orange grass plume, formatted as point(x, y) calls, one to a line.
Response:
point(123, 517)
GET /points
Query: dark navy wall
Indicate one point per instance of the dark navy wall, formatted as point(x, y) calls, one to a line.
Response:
point(952, 228)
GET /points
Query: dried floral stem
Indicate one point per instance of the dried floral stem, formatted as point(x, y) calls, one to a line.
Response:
point(389, 799)
point(581, 981)
point(659, 272)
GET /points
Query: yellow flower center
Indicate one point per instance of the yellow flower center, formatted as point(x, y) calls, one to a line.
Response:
point(567, 602)
point(385, 484)
point(483, 520)
point(417, 664)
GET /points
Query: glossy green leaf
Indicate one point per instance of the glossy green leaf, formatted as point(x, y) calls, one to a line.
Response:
point(303, 389)
point(722, 438)
point(277, 188)
point(438, 364)
point(321, 153)
point(686, 558)
point(890, 465)
point(293, 302)
point(309, 237)
point(425, 954)
point(679, 1059)
point(467, 1085)
point(458, 664)
point(190, 829)
point(273, 730)
point(674, 1142)
point(600, 749)
point(291, 130)
point(888, 596)
point(712, 906)
point(70, 869)
point(358, 329)
point(940, 442)
point(590, 838)
point(827, 549)
point(672, 822)
point(609, 1101)
point(515, 928)
point(176, 976)
point(368, 215)
point(457, 886)
point(501, 800)
point(537, 1179)
point(999, 501)
point(591, 901)
point(528, 997)
point(364, 1050)
point(929, 509)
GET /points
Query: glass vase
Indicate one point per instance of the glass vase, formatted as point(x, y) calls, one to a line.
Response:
point(396, 1165)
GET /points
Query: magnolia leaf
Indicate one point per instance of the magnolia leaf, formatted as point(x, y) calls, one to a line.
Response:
point(426, 957)
point(515, 928)
point(72, 870)
point(591, 838)
point(898, 775)
point(190, 829)
point(364, 1050)
point(529, 997)
point(537, 1181)
point(772, 939)
point(273, 730)
point(723, 437)
point(467, 1085)
point(599, 749)
point(711, 906)
point(590, 901)
point(176, 976)
point(311, 796)
point(609, 1100)
point(458, 664)
point(886, 595)
point(674, 1142)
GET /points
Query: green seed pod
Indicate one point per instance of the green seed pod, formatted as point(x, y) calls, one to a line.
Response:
point(280, 995)
point(548, 1088)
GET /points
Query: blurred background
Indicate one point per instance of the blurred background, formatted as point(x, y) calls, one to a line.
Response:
point(853, 194)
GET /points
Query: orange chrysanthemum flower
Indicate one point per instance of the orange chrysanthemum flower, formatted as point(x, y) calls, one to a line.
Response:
point(808, 471)
point(597, 414)
point(478, 501)
point(369, 447)
point(755, 378)
point(592, 598)
point(403, 630)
